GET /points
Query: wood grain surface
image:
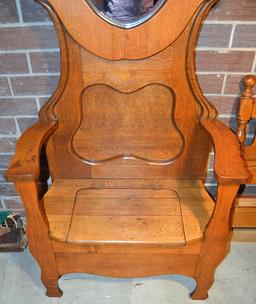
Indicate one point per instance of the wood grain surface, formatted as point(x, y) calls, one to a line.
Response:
point(127, 136)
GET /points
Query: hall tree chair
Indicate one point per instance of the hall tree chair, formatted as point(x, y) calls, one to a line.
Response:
point(245, 209)
point(127, 136)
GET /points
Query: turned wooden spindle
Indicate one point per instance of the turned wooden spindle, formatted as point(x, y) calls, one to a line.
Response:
point(245, 107)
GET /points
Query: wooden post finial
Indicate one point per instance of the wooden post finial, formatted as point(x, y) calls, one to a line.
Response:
point(249, 82)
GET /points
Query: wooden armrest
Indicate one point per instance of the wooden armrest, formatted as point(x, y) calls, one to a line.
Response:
point(25, 165)
point(228, 166)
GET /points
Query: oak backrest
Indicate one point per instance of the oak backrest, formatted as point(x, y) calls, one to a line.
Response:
point(128, 102)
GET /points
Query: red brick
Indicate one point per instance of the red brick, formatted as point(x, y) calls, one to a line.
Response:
point(224, 105)
point(45, 62)
point(245, 35)
point(27, 37)
point(24, 123)
point(7, 145)
point(13, 204)
point(8, 189)
point(4, 87)
point(215, 35)
point(5, 160)
point(214, 61)
point(13, 63)
point(33, 12)
point(18, 107)
point(241, 10)
point(2, 175)
point(210, 83)
point(8, 11)
point(29, 85)
point(7, 126)
point(234, 84)
point(42, 101)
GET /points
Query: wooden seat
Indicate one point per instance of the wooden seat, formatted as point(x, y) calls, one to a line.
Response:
point(169, 212)
point(127, 137)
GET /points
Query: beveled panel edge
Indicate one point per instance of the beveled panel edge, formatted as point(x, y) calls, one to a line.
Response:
point(128, 156)
point(208, 110)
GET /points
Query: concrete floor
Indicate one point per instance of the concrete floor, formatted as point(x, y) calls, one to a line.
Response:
point(235, 284)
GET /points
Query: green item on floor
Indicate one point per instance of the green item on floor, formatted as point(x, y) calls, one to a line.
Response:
point(3, 216)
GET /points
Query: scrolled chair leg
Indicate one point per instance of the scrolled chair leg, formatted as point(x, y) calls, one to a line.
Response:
point(51, 284)
point(202, 287)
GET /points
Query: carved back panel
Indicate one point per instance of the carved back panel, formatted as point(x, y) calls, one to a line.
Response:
point(128, 101)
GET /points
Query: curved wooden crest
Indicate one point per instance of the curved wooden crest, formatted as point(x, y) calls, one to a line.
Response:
point(111, 42)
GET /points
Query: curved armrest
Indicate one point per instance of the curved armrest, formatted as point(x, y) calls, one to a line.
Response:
point(25, 165)
point(229, 166)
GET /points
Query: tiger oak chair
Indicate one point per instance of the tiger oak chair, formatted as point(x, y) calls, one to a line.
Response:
point(127, 136)
point(245, 211)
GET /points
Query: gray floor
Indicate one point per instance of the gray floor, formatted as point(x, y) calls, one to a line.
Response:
point(235, 284)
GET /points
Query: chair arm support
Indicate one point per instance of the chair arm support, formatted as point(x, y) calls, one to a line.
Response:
point(25, 165)
point(228, 165)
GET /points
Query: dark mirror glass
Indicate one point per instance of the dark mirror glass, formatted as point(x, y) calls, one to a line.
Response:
point(126, 13)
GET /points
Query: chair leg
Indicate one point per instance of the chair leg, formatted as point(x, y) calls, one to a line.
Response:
point(216, 243)
point(51, 285)
point(206, 268)
point(203, 284)
point(37, 232)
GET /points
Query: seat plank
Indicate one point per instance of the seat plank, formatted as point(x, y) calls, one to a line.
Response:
point(127, 229)
point(155, 211)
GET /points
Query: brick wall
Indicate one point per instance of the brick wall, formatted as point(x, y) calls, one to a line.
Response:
point(29, 70)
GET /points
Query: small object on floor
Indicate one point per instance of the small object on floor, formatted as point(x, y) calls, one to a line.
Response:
point(12, 233)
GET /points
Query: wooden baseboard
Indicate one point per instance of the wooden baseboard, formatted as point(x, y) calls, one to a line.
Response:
point(244, 235)
point(245, 213)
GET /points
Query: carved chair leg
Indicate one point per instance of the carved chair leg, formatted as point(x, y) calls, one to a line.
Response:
point(209, 261)
point(51, 285)
point(216, 242)
point(39, 243)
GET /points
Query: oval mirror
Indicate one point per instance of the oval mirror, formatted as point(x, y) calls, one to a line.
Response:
point(125, 13)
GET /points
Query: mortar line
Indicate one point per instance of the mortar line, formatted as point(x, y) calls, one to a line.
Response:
point(3, 204)
point(223, 84)
point(232, 36)
point(26, 24)
point(17, 126)
point(29, 63)
point(10, 86)
point(253, 70)
point(18, 6)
